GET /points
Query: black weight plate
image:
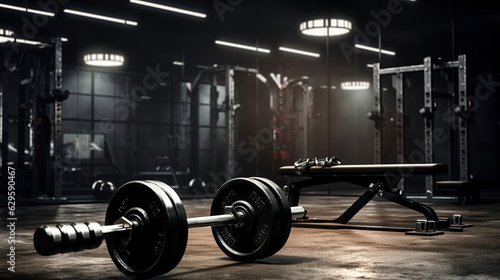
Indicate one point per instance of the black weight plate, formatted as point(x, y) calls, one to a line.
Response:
point(158, 247)
point(250, 241)
point(182, 235)
point(283, 225)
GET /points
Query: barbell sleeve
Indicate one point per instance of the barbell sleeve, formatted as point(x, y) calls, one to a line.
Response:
point(298, 212)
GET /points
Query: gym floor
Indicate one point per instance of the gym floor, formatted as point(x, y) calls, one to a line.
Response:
point(366, 250)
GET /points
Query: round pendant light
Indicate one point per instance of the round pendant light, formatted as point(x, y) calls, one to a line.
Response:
point(325, 27)
point(104, 60)
point(355, 85)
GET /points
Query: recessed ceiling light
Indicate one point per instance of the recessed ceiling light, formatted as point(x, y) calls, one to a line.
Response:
point(104, 60)
point(21, 9)
point(372, 49)
point(169, 8)
point(240, 46)
point(101, 17)
point(325, 27)
point(298, 52)
point(355, 85)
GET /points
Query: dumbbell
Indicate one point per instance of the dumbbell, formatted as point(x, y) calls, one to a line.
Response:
point(146, 227)
point(103, 189)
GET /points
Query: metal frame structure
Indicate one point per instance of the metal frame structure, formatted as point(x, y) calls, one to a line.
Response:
point(33, 81)
point(283, 109)
point(230, 108)
point(57, 131)
point(427, 111)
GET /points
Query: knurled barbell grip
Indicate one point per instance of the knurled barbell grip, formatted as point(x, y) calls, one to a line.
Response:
point(50, 240)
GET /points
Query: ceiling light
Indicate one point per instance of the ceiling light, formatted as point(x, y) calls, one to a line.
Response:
point(179, 63)
point(239, 46)
point(325, 27)
point(21, 9)
point(104, 60)
point(169, 8)
point(6, 32)
point(84, 14)
point(369, 65)
point(298, 51)
point(5, 39)
point(363, 47)
point(355, 85)
point(325, 87)
point(5, 36)
point(29, 42)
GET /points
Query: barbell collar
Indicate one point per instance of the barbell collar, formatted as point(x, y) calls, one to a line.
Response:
point(298, 212)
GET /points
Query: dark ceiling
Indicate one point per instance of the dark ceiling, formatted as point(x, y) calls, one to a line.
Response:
point(421, 28)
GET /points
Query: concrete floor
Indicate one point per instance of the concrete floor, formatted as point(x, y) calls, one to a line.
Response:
point(335, 253)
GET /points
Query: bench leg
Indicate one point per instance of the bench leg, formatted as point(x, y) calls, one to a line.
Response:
point(356, 206)
point(424, 209)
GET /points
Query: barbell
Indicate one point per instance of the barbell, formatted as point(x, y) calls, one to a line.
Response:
point(146, 228)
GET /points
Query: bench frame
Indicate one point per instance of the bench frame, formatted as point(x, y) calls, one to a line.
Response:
point(379, 179)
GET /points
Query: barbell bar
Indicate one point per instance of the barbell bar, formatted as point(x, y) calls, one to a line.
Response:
point(146, 225)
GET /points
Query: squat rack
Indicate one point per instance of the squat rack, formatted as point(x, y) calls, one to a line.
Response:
point(230, 108)
point(32, 80)
point(427, 112)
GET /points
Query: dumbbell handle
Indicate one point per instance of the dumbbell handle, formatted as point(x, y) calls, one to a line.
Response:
point(50, 240)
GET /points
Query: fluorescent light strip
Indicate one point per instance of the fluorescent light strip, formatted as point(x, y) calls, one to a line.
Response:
point(169, 8)
point(8, 38)
point(29, 42)
point(5, 39)
point(374, 49)
point(298, 51)
point(179, 63)
point(21, 9)
point(239, 46)
point(117, 20)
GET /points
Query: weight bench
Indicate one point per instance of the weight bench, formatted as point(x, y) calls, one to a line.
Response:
point(379, 179)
